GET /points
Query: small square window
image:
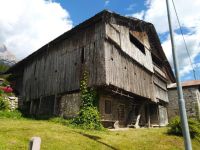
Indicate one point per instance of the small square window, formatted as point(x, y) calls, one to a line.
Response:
point(108, 107)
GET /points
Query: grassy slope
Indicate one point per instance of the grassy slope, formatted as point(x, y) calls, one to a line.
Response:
point(15, 134)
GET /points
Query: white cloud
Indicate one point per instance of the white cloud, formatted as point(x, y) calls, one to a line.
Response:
point(130, 7)
point(189, 16)
point(106, 2)
point(139, 15)
point(26, 25)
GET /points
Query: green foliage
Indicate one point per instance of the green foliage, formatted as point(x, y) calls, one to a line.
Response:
point(4, 105)
point(4, 67)
point(4, 101)
point(176, 129)
point(88, 116)
point(88, 96)
point(1, 92)
point(11, 114)
point(60, 120)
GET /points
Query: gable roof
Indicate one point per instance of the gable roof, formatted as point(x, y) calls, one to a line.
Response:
point(108, 16)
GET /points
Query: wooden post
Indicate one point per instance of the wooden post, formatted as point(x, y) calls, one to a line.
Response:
point(158, 113)
point(39, 105)
point(31, 106)
point(55, 104)
point(137, 121)
point(139, 115)
point(148, 115)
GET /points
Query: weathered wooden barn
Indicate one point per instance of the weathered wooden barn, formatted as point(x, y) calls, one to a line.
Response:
point(125, 62)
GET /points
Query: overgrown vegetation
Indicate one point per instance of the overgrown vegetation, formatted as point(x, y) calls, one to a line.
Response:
point(4, 104)
point(88, 116)
point(15, 114)
point(176, 129)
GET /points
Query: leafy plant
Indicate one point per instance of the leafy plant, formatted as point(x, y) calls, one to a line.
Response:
point(11, 114)
point(88, 116)
point(4, 105)
point(176, 128)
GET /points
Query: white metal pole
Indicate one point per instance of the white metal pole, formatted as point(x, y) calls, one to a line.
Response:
point(181, 102)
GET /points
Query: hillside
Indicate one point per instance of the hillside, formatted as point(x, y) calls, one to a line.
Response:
point(15, 134)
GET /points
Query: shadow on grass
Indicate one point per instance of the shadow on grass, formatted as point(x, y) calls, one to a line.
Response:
point(96, 138)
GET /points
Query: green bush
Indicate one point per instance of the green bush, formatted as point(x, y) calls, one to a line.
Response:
point(176, 129)
point(88, 116)
point(4, 105)
point(11, 114)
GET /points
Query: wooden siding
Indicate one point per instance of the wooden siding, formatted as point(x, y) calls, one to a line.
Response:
point(160, 89)
point(58, 69)
point(120, 35)
point(124, 73)
point(159, 71)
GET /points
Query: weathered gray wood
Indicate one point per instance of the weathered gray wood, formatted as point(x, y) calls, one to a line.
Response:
point(160, 89)
point(124, 73)
point(59, 69)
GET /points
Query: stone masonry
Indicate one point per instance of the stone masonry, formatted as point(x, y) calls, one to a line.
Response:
point(192, 102)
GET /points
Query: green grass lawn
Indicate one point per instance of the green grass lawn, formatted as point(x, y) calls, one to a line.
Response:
point(15, 134)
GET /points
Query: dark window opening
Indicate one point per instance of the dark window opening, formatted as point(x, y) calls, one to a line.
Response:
point(82, 55)
point(108, 107)
point(137, 43)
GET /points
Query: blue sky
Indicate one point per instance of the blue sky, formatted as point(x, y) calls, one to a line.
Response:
point(33, 23)
point(81, 10)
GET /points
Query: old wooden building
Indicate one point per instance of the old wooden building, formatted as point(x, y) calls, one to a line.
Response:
point(125, 62)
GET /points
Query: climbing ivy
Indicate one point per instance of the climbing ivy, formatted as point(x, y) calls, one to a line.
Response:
point(88, 116)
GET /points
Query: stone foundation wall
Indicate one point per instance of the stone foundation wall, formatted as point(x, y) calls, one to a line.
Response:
point(191, 102)
point(70, 105)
